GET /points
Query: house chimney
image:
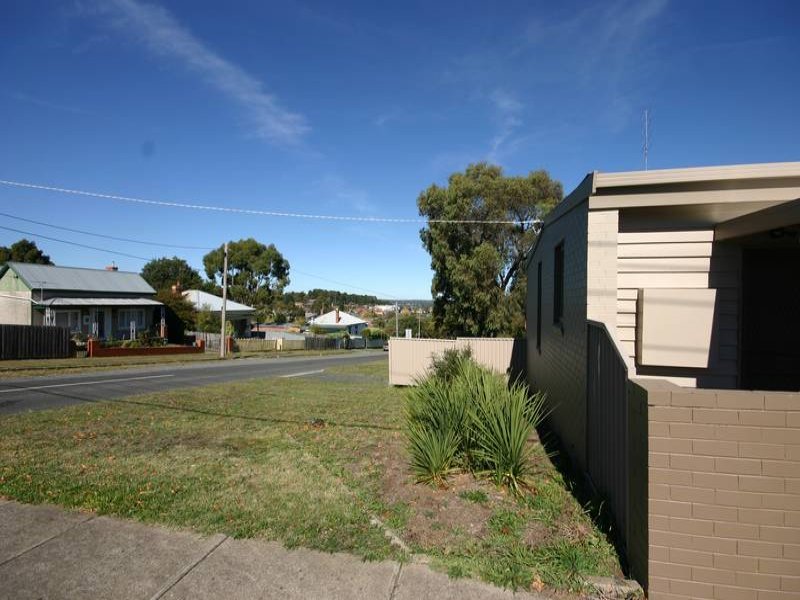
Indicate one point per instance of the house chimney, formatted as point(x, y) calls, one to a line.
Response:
point(177, 288)
point(112, 267)
point(337, 316)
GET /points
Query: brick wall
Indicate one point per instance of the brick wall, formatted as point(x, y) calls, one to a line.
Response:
point(96, 349)
point(724, 493)
point(559, 366)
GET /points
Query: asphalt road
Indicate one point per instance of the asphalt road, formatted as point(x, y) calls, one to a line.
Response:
point(39, 393)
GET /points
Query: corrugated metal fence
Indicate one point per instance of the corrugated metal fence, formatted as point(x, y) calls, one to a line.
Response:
point(607, 443)
point(409, 359)
point(27, 341)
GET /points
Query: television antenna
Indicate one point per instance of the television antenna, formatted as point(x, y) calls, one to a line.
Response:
point(646, 134)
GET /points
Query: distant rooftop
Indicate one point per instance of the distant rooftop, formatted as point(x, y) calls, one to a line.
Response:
point(204, 300)
point(330, 319)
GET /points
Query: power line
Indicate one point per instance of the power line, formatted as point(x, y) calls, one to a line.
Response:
point(52, 239)
point(142, 258)
point(265, 213)
point(108, 237)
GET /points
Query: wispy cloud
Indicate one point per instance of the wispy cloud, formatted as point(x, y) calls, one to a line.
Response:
point(164, 36)
point(507, 110)
point(42, 103)
point(599, 53)
point(387, 117)
point(341, 194)
point(599, 48)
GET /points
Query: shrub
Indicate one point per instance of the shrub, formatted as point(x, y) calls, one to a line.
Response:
point(466, 408)
point(433, 453)
point(448, 364)
point(373, 333)
point(501, 428)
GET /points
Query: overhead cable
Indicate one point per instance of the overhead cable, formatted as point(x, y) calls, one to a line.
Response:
point(265, 213)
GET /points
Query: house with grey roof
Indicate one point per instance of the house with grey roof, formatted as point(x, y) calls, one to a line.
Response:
point(337, 320)
point(100, 302)
point(239, 315)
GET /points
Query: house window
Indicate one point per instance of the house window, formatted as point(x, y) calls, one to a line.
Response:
point(558, 284)
point(69, 318)
point(539, 306)
point(125, 317)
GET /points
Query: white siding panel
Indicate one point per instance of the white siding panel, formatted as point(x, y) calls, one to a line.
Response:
point(663, 280)
point(664, 250)
point(671, 237)
point(682, 259)
point(665, 265)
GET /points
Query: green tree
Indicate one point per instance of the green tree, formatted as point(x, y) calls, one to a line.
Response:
point(479, 274)
point(255, 271)
point(207, 321)
point(24, 251)
point(179, 314)
point(163, 273)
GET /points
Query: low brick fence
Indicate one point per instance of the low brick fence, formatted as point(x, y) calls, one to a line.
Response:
point(723, 493)
point(96, 349)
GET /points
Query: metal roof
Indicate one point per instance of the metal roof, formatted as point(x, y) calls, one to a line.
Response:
point(48, 277)
point(204, 300)
point(101, 302)
point(329, 319)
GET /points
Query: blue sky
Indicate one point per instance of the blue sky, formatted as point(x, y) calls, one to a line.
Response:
point(353, 109)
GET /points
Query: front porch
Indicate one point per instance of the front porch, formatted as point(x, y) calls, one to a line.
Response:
point(103, 318)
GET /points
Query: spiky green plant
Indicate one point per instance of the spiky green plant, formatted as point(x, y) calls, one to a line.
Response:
point(435, 405)
point(433, 453)
point(500, 427)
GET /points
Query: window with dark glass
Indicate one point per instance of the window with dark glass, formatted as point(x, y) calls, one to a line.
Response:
point(539, 306)
point(558, 284)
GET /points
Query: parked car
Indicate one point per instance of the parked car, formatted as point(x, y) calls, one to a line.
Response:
point(386, 346)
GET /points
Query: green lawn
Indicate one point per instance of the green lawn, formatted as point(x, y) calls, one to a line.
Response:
point(250, 460)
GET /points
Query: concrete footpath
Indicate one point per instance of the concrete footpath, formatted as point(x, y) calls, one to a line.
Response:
point(49, 553)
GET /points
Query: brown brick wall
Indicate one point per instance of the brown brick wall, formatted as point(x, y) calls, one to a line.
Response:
point(724, 493)
point(559, 366)
point(96, 349)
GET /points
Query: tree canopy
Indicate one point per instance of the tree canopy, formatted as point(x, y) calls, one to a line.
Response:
point(255, 271)
point(478, 285)
point(163, 273)
point(25, 251)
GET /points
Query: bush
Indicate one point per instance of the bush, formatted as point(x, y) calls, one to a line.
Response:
point(433, 453)
point(374, 333)
point(447, 365)
point(464, 415)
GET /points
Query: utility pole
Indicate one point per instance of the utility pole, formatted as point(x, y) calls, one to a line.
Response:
point(396, 320)
point(222, 340)
point(419, 323)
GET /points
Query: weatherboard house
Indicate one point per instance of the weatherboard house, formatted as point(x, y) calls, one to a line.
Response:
point(239, 315)
point(99, 302)
point(337, 320)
